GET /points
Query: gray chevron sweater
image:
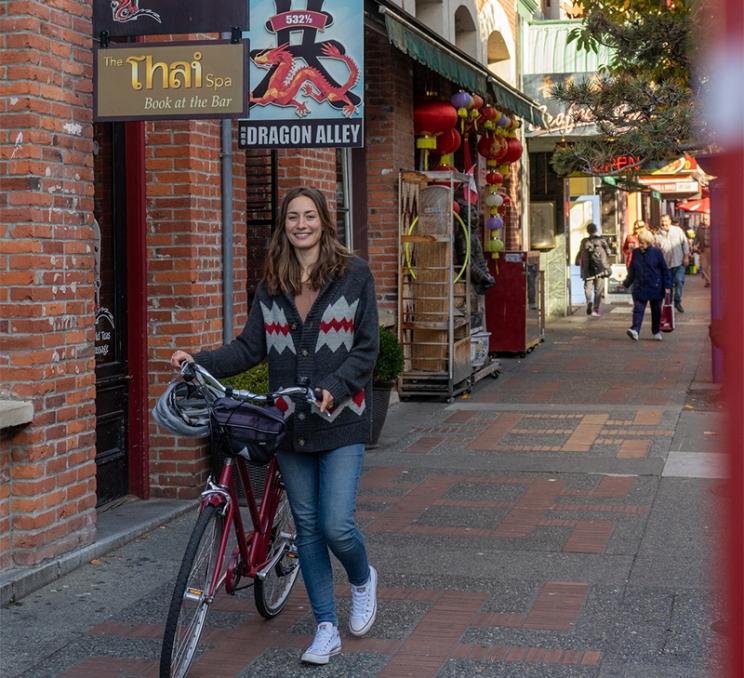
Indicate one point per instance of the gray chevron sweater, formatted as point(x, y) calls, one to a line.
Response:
point(335, 349)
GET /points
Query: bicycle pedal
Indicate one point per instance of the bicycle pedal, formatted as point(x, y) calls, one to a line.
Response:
point(292, 552)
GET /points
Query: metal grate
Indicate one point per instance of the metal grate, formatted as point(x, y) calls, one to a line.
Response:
point(260, 170)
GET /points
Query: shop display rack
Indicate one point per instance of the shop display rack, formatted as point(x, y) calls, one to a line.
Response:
point(434, 290)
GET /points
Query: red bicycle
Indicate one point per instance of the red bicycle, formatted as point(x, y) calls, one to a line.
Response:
point(265, 553)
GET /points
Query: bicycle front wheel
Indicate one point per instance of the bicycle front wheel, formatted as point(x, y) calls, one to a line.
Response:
point(271, 593)
point(191, 596)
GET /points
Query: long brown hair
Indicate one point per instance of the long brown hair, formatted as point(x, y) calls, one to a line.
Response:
point(283, 272)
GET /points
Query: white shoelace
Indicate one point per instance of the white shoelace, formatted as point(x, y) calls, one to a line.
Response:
point(361, 600)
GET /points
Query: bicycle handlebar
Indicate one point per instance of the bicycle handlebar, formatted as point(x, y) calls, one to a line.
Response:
point(192, 371)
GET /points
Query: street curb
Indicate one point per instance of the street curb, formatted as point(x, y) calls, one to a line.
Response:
point(20, 582)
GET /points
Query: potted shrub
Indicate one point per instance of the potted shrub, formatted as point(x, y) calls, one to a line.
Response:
point(255, 379)
point(388, 367)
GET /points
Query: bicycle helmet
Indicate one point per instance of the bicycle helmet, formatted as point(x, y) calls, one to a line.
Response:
point(183, 410)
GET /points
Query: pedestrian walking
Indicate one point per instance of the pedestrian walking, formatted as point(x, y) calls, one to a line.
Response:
point(649, 278)
point(593, 257)
point(631, 240)
point(673, 243)
point(314, 319)
point(702, 247)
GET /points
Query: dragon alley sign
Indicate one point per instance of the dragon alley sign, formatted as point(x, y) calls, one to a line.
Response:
point(307, 59)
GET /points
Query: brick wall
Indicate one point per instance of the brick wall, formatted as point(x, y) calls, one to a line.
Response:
point(47, 494)
point(307, 167)
point(512, 211)
point(390, 147)
point(185, 273)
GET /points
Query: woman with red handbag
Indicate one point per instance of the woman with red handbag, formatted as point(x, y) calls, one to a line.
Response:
point(650, 279)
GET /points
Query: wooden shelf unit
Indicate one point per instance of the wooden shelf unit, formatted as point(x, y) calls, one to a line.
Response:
point(433, 290)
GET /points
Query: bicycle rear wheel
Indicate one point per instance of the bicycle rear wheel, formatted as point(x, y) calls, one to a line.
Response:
point(272, 592)
point(191, 598)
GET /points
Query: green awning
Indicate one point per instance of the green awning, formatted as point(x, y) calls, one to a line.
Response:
point(630, 186)
point(469, 74)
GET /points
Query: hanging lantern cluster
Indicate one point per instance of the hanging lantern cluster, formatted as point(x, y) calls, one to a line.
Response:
point(468, 109)
point(438, 132)
point(500, 147)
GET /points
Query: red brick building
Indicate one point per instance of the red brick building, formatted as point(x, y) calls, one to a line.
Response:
point(111, 255)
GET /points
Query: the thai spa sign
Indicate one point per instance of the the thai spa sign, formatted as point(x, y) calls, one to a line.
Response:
point(307, 74)
point(152, 81)
point(163, 17)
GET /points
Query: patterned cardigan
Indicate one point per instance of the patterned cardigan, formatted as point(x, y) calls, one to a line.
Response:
point(334, 349)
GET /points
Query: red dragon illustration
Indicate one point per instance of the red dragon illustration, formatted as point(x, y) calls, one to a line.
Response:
point(285, 83)
point(129, 10)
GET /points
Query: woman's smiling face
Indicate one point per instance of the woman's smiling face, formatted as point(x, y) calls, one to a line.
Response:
point(303, 226)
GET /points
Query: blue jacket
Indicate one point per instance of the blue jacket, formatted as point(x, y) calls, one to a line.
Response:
point(648, 274)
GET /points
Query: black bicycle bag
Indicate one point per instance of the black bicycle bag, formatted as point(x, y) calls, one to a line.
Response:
point(248, 428)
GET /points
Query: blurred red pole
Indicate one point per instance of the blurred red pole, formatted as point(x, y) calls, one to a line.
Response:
point(727, 59)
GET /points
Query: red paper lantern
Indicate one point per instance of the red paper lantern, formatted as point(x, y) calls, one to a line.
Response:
point(514, 150)
point(494, 178)
point(489, 113)
point(492, 147)
point(432, 117)
point(448, 141)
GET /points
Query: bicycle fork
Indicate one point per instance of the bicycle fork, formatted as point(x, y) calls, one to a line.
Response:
point(222, 497)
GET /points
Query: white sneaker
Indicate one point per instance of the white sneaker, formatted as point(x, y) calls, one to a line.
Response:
point(364, 605)
point(658, 336)
point(326, 643)
point(595, 314)
point(632, 334)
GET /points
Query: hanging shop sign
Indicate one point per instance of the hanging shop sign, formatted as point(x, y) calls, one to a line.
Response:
point(162, 17)
point(307, 70)
point(168, 81)
point(561, 119)
point(671, 186)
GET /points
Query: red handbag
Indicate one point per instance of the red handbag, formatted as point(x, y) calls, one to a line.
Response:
point(667, 314)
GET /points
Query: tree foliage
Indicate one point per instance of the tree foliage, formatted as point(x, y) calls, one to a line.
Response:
point(643, 101)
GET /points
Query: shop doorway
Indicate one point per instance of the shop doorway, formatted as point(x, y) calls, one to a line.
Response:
point(110, 246)
point(583, 210)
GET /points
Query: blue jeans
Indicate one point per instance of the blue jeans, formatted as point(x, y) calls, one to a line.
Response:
point(678, 281)
point(322, 490)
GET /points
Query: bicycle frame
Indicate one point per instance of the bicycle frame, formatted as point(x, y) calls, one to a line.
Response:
point(264, 553)
point(253, 547)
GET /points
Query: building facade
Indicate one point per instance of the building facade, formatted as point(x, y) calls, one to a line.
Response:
point(113, 248)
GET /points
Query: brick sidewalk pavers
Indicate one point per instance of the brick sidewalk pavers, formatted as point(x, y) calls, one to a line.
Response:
point(515, 532)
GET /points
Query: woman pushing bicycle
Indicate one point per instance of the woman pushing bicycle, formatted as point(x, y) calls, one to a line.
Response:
point(314, 319)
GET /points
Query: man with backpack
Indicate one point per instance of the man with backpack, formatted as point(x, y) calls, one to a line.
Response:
point(594, 259)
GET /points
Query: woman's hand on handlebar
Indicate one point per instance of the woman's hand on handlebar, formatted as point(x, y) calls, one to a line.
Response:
point(180, 356)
